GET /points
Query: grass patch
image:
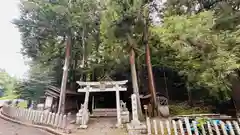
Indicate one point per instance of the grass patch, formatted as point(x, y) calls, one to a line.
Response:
point(22, 104)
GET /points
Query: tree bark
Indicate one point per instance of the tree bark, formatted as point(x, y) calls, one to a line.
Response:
point(61, 107)
point(134, 77)
point(166, 86)
point(74, 70)
point(139, 74)
point(29, 103)
point(83, 56)
point(151, 84)
point(73, 67)
point(190, 102)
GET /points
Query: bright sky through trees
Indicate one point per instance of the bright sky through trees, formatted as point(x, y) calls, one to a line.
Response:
point(10, 58)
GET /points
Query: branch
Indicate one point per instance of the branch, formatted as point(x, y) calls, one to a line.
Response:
point(131, 42)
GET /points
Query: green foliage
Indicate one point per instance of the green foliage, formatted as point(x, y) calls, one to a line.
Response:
point(190, 40)
point(201, 121)
point(7, 82)
point(226, 12)
point(44, 29)
point(22, 104)
point(197, 52)
point(33, 87)
point(184, 109)
point(9, 97)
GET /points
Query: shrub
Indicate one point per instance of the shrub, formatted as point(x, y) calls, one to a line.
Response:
point(184, 109)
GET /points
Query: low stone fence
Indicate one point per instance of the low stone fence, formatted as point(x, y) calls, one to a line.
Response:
point(56, 121)
point(185, 126)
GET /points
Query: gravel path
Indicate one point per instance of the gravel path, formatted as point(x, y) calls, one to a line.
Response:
point(8, 128)
point(100, 126)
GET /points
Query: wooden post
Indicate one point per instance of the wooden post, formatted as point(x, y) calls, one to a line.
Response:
point(195, 128)
point(168, 127)
point(34, 116)
point(174, 127)
point(50, 114)
point(64, 122)
point(203, 129)
point(188, 126)
point(230, 128)
point(56, 120)
point(235, 123)
point(209, 128)
point(46, 117)
point(155, 127)
point(60, 121)
point(149, 64)
point(149, 128)
point(223, 128)
point(42, 118)
point(161, 127)
point(53, 119)
point(30, 114)
point(38, 117)
point(216, 128)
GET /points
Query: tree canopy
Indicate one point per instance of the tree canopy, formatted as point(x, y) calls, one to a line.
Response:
point(7, 83)
point(197, 52)
point(197, 39)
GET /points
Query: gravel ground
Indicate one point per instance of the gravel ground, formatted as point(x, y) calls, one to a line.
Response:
point(8, 128)
point(100, 126)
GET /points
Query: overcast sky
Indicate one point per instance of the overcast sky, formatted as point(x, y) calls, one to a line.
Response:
point(10, 58)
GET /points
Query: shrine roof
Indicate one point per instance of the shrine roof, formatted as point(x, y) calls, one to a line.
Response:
point(55, 91)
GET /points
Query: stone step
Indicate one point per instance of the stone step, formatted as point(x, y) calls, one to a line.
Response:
point(105, 110)
point(103, 115)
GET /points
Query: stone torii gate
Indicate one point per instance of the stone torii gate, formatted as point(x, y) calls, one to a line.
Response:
point(105, 86)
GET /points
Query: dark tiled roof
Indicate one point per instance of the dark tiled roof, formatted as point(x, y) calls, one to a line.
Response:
point(55, 91)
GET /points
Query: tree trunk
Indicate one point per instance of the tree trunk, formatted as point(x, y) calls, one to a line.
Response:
point(74, 71)
point(83, 57)
point(134, 78)
point(61, 107)
point(190, 102)
point(151, 84)
point(73, 68)
point(139, 74)
point(29, 103)
point(166, 86)
point(98, 42)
